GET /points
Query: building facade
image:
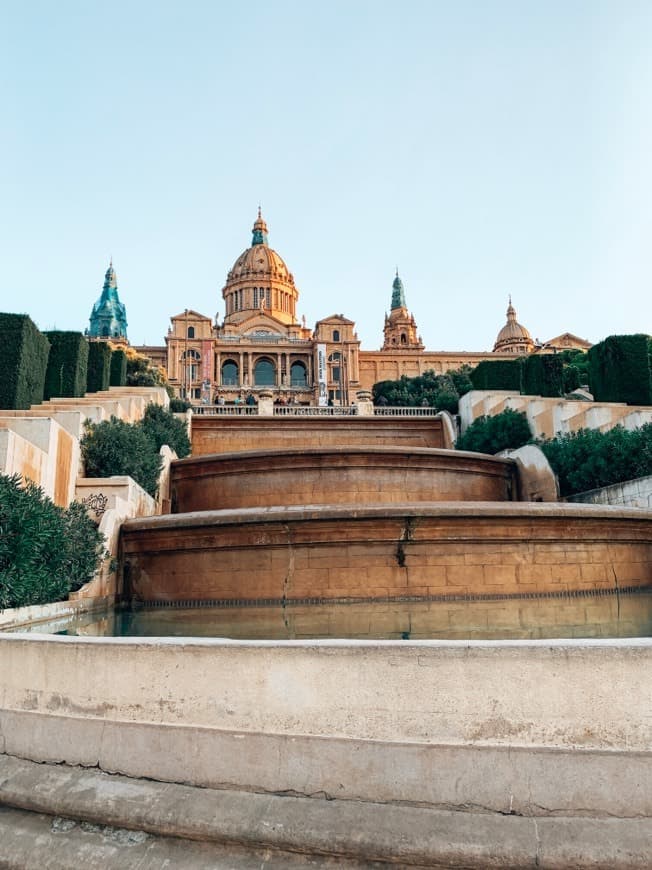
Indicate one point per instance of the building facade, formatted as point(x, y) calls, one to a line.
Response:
point(262, 345)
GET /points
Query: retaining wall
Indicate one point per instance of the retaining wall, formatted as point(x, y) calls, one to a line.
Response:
point(548, 727)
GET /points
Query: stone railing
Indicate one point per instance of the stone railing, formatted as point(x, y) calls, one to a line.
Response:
point(225, 410)
point(405, 412)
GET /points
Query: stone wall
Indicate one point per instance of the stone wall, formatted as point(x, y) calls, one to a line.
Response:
point(548, 416)
point(515, 727)
point(224, 434)
point(631, 493)
point(338, 475)
point(470, 549)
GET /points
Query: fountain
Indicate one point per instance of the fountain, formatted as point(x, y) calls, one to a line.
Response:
point(541, 746)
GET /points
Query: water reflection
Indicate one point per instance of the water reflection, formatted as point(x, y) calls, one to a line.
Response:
point(600, 616)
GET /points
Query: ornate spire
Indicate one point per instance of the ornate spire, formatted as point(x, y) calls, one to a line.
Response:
point(398, 293)
point(511, 311)
point(110, 280)
point(259, 236)
point(109, 317)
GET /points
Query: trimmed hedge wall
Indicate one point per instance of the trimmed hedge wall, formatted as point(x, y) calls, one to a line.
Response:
point(497, 375)
point(67, 369)
point(118, 376)
point(543, 375)
point(99, 366)
point(619, 370)
point(23, 362)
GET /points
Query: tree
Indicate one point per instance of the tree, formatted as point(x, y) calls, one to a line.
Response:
point(115, 447)
point(141, 371)
point(163, 427)
point(436, 391)
point(589, 459)
point(505, 431)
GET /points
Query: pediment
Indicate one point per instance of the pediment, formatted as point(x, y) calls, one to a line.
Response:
point(190, 314)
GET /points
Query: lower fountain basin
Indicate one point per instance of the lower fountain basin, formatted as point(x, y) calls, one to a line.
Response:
point(386, 551)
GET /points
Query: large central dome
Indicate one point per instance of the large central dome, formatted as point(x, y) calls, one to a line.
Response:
point(260, 281)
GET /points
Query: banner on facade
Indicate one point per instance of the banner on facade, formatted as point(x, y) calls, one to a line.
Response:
point(321, 375)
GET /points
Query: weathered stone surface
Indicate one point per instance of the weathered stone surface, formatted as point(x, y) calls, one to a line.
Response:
point(109, 818)
point(223, 434)
point(386, 551)
point(338, 475)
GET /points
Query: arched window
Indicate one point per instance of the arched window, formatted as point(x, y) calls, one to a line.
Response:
point(336, 335)
point(298, 375)
point(191, 332)
point(190, 360)
point(264, 373)
point(229, 374)
point(105, 331)
point(403, 338)
point(335, 371)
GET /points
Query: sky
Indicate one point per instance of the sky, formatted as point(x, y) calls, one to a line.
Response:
point(484, 148)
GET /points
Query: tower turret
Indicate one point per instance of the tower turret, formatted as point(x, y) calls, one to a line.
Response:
point(400, 330)
point(108, 318)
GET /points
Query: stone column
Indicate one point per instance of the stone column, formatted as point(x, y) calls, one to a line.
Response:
point(365, 403)
point(266, 403)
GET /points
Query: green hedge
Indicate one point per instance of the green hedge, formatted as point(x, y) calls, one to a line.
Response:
point(543, 375)
point(118, 376)
point(497, 375)
point(99, 366)
point(619, 370)
point(67, 369)
point(23, 362)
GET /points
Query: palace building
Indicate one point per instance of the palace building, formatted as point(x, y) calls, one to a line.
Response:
point(262, 345)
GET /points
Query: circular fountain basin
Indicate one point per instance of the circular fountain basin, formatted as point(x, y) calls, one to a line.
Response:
point(338, 475)
point(386, 551)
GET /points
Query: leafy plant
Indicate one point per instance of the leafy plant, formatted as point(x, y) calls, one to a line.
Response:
point(164, 428)
point(436, 391)
point(45, 551)
point(505, 431)
point(179, 406)
point(141, 371)
point(114, 447)
point(589, 459)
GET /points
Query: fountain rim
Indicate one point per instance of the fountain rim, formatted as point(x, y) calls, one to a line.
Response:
point(442, 509)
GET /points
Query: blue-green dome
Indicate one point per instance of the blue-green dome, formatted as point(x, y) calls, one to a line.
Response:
point(109, 316)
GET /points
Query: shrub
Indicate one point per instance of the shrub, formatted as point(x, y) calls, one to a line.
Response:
point(67, 370)
point(141, 371)
point(505, 431)
point(118, 372)
point(497, 375)
point(619, 370)
point(163, 428)
point(113, 447)
point(46, 552)
point(436, 391)
point(179, 406)
point(99, 366)
point(23, 361)
point(589, 459)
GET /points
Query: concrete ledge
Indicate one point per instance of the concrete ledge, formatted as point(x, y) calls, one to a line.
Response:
point(528, 781)
point(369, 832)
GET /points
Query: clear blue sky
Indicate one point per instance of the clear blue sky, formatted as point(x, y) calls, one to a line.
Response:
point(486, 148)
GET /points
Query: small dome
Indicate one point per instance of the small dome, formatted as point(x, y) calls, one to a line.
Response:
point(513, 336)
